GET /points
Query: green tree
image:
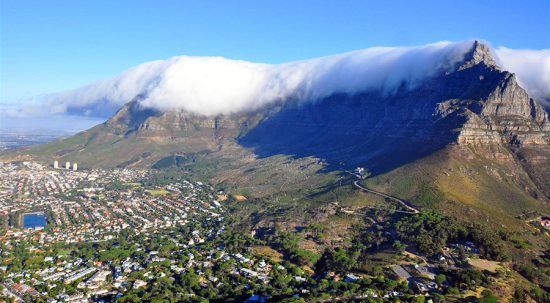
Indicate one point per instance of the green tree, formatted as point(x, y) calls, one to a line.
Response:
point(419, 299)
point(488, 297)
point(440, 279)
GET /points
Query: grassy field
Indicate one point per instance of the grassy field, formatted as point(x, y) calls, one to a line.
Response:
point(64, 252)
point(483, 264)
point(134, 185)
point(267, 252)
point(158, 192)
point(474, 189)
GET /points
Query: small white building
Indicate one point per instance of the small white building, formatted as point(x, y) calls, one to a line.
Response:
point(55, 164)
point(68, 165)
point(75, 166)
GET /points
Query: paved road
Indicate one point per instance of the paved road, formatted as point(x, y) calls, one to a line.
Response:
point(411, 210)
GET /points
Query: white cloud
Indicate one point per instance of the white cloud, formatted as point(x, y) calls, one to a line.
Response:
point(532, 68)
point(216, 85)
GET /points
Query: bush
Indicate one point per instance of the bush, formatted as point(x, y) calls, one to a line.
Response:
point(488, 297)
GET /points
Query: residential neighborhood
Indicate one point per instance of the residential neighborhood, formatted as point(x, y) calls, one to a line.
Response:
point(106, 235)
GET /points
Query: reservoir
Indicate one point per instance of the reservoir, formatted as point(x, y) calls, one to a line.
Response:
point(34, 220)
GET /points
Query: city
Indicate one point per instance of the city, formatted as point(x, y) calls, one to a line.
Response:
point(112, 234)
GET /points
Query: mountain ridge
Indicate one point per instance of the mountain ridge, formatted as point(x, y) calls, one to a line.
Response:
point(514, 101)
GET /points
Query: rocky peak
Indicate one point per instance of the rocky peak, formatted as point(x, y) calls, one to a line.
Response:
point(479, 53)
point(503, 111)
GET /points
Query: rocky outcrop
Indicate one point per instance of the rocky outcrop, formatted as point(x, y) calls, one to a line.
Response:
point(479, 54)
point(507, 115)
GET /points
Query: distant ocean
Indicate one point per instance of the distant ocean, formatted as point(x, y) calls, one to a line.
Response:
point(54, 125)
point(16, 132)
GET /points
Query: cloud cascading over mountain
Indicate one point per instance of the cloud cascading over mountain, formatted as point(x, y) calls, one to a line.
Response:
point(216, 85)
point(532, 68)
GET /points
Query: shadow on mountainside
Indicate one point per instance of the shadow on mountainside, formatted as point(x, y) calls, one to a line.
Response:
point(380, 133)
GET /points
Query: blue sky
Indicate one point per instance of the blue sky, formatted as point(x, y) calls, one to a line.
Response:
point(50, 46)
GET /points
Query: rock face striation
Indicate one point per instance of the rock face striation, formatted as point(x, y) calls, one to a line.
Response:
point(506, 114)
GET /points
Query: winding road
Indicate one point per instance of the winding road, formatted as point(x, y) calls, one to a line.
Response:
point(411, 210)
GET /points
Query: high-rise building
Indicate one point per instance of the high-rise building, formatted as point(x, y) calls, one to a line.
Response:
point(68, 165)
point(75, 166)
point(55, 164)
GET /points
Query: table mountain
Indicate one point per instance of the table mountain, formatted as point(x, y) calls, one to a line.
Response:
point(476, 110)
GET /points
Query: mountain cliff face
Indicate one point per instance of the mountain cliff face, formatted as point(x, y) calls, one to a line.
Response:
point(504, 113)
point(476, 106)
point(477, 103)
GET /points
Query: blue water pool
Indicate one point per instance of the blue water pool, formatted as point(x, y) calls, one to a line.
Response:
point(34, 220)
